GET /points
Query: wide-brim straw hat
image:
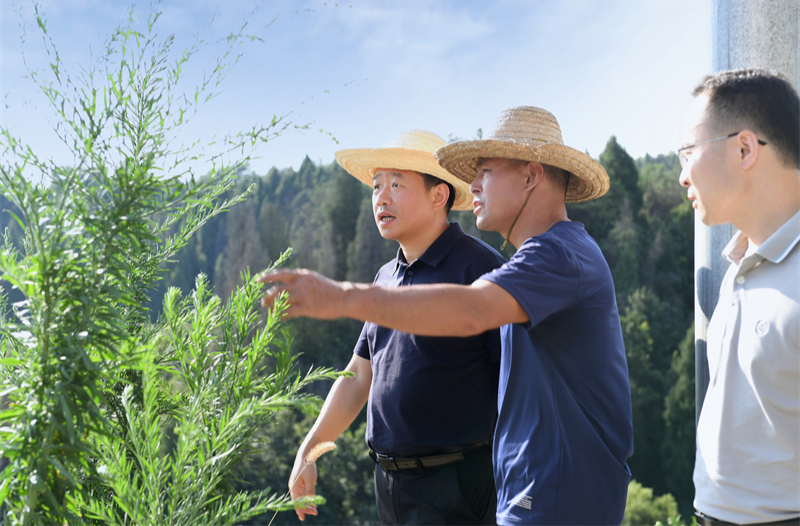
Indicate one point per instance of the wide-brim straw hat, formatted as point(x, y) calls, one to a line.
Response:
point(528, 134)
point(412, 150)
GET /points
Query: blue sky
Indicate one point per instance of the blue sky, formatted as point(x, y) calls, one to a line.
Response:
point(365, 70)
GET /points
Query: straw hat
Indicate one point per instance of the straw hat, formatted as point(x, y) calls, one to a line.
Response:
point(528, 134)
point(412, 150)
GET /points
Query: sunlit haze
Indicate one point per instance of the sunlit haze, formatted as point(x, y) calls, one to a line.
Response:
point(364, 70)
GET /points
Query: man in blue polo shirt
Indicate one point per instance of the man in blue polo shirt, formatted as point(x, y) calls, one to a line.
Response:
point(564, 430)
point(432, 400)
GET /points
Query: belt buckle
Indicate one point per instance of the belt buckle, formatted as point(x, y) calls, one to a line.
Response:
point(387, 458)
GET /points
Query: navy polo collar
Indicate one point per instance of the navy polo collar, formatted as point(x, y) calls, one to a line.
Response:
point(438, 249)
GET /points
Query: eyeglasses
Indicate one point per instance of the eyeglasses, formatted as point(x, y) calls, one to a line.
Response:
point(686, 151)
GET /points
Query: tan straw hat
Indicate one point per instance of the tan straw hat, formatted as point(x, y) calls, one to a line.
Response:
point(528, 134)
point(412, 150)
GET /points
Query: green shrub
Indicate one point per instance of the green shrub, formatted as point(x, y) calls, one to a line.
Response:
point(108, 417)
point(642, 509)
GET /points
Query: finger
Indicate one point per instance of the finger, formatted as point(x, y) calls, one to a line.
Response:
point(300, 485)
point(293, 308)
point(269, 297)
point(302, 512)
point(301, 489)
point(309, 484)
point(297, 491)
point(286, 276)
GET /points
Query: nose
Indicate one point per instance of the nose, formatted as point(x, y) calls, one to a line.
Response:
point(684, 177)
point(476, 186)
point(381, 197)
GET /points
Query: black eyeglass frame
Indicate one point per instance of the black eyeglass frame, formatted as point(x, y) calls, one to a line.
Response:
point(683, 158)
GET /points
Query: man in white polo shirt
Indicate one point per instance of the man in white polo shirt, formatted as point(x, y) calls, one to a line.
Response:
point(741, 165)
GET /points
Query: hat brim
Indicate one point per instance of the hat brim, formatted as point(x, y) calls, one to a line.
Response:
point(362, 163)
point(589, 179)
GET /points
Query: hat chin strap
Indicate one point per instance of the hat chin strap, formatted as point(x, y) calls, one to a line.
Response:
point(505, 243)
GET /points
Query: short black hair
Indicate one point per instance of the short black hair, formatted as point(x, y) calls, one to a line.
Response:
point(431, 181)
point(559, 176)
point(759, 99)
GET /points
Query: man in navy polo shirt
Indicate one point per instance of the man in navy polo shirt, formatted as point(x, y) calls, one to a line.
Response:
point(432, 400)
point(564, 430)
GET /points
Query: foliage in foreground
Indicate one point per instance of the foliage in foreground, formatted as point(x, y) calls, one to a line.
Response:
point(641, 508)
point(109, 417)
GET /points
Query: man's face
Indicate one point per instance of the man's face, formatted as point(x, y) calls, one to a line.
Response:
point(707, 174)
point(498, 193)
point(401, 204)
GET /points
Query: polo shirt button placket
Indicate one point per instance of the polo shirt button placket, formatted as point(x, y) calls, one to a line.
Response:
point(740, 280)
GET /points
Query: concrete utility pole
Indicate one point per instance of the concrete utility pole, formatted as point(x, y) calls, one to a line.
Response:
point(746, 34)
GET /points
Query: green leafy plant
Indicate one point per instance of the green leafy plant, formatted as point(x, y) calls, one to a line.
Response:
point(642, 508)
point(213, 389)
point(677, 520)
point(108, 416)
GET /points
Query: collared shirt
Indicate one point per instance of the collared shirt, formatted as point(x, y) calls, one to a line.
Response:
point(565, 427)
point(747, 466)
point(429, 393)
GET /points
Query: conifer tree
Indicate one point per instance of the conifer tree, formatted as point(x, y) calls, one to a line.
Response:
point(678, 448)
point(342, 214)
point(368, 250)
point(244, 249)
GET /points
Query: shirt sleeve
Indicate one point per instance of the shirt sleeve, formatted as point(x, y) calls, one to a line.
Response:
point(362, 345)
point(543, 276)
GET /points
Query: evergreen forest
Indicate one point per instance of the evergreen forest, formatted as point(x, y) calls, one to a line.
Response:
point(644, 225)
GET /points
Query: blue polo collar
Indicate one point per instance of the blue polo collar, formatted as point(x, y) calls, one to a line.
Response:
point(438, 249)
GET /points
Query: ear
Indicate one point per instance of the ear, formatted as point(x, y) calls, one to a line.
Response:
point(440, 193)
point(748, 149)
point(534, 175)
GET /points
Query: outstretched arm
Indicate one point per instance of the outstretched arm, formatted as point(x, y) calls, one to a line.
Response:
point(344, 402)
point(427, 310)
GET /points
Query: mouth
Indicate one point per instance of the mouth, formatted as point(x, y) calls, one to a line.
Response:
point(384, 218)
point(476, 205)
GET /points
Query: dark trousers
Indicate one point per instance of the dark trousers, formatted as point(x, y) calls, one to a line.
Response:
point(460, 493)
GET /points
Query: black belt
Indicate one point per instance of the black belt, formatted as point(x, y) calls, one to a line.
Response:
point(392, 463)
point(705, 520)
